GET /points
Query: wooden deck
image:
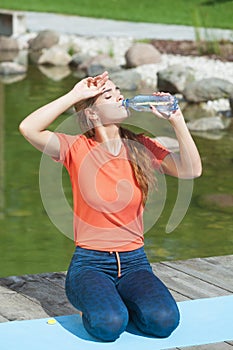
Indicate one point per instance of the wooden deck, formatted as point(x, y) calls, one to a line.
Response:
point(43, 295)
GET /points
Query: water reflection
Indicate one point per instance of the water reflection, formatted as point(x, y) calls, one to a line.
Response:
point(2, 196)
point(29, 242)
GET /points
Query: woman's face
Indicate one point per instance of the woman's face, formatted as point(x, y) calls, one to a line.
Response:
point(108, 106)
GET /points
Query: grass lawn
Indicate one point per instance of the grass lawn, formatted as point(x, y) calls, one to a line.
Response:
point(197, 13)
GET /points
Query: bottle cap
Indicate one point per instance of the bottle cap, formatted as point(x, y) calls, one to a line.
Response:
point(125, 102)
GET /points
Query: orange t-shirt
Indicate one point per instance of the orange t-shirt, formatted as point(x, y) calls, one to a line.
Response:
point(107, 200)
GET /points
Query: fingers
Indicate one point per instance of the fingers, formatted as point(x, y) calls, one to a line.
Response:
point(155, 111)
point(101, 79)
point(159, 114)
point(98, 81)
point(89, 81)
point(104, 76)
point(160, 93)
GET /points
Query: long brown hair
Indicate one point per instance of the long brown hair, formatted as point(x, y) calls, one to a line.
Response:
point(139, 157)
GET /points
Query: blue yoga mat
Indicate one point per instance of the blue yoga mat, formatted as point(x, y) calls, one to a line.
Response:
point(203, 321)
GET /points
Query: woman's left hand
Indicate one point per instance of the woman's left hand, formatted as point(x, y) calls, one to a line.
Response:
point(175, 113)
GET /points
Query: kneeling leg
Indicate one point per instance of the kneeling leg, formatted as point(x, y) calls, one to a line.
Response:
point(104, 314)
point(151, 305)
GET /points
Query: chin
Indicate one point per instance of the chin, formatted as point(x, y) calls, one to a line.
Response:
point(115, 119)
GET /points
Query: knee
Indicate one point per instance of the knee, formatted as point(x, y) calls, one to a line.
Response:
point(108, 326)
point(165, 321)
point(159, 322)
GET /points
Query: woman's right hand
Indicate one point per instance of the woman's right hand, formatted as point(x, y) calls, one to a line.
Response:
point(34, 126)
point(89, 87)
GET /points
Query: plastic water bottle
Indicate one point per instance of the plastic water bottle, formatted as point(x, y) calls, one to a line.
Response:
point(163, 103)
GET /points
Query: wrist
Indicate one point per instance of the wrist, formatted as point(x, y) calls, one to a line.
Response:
point(176, 117)
point(72, 97)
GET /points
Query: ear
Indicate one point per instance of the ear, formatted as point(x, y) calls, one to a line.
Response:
point(88, 114)
point(92, 117)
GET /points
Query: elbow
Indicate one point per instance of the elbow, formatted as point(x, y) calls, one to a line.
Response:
point(192, 172)
point(195, 173)
point(198, 169)
point(23, 129)
point(195, 168)
point(198, 173)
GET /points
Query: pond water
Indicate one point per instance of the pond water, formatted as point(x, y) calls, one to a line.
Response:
point(31, 243)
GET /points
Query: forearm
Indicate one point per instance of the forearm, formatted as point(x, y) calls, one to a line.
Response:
point(40, 119)
point(189, 162)
point(44, 116)
point(34, 126)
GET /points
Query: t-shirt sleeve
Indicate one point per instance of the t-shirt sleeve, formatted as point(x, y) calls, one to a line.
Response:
point(66, 143)
point(159, 151)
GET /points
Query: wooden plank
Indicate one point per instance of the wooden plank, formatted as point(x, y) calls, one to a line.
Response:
point(58, 278)
point(186, 285)
point(225, 261)
point(41, 291)
point(156, 267)
point(206, 271)
point(214, 346)
point(178, 297)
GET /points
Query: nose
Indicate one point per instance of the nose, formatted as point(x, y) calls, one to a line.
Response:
point(120, 97)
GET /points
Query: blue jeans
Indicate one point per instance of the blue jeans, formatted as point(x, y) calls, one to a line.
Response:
point(109, 288)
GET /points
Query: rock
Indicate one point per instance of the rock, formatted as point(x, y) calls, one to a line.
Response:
point(127, 79)
point(211, 123)
point(98, 64)
point(79, 74)
point(9, 49)
point(44, 40)
point(194, 111)
point(34, 56)
point(78, 59)
point(24, 40)
point(210, 134)
point(6, 56)
point(8, 44)
point(12, 68)
point(174, 78)
point(54, 56)
point(231, 105)
point(221, 105)
point(96, 69)
point(11, 79)
point(141, 53)
point(208, 89)
point(55, 73)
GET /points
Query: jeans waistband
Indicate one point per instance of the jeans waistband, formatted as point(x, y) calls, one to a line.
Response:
point(133, 254)
point(100, 253)
point(112, 264)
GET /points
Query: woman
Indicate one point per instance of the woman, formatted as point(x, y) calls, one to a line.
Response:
point(111, 171)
